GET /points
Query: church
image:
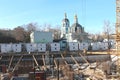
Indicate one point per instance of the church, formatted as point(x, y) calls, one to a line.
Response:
point(73, 33)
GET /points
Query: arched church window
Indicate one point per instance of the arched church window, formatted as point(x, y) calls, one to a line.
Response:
point(66, 30)
point(75, 29)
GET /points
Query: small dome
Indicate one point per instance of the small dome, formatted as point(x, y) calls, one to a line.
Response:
point(76, 25)
point(65, 20)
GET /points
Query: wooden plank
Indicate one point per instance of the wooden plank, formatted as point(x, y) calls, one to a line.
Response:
point(17, 63)
point(43, 60)
point(84, 59)
point(35, 60)
point(64, 59)
point(75, 61)
point(10, 62)
point(55, 62)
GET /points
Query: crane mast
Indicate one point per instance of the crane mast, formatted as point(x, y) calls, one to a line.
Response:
point(118, 34)
point(117, 20)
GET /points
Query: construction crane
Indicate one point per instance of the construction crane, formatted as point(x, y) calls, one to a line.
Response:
point(118, 35)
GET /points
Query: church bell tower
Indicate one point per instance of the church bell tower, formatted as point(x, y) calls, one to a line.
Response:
point(65, 26)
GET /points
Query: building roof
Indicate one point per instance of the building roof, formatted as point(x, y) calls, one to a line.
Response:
point(58, 40)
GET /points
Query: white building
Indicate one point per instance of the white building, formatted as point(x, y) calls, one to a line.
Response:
point(83, 46)
point(73, 46)
point(17, 47)
point(5, 48)
point(41, 37)
point(55, 46)
point(99, 46)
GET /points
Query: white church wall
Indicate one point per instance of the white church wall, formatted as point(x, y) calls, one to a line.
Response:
point(69, 37)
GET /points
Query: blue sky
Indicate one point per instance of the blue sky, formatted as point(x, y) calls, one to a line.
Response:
point(91, 13)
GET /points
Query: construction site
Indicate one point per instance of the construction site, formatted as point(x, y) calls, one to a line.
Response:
point(52, 63)
point(62, 65)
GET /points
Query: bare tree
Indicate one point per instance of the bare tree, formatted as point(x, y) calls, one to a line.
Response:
point(108, 31)
point(55, 30)
point(31, 27)
point(19, 33)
